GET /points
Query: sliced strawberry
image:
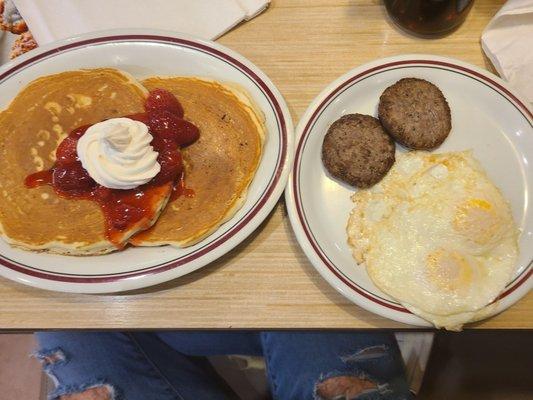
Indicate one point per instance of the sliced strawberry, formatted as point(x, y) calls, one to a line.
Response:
point(103, 193)
point(163, 123)
point(161, 99)
point(124, 215)
point(167, 126)
point(72, 178)
point(78, 132)
point(163, 144)
point(187, 133)
point(171, 166)
point(142, 117)
point(66, 152)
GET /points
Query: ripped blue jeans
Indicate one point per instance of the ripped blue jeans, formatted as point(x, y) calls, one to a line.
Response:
point(172, 365)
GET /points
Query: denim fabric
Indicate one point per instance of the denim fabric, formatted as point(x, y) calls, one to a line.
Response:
point(171, 365)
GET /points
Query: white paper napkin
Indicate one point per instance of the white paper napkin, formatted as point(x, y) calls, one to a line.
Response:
point(6, 41)
point(508, 43)
point(49, 20)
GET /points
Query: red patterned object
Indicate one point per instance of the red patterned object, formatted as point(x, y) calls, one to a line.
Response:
point(23, 44)
point(10, 19)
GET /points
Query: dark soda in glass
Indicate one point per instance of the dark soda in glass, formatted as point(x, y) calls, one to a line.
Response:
point(428, 17)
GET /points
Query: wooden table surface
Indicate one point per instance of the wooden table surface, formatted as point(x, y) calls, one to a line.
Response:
point(267, 282)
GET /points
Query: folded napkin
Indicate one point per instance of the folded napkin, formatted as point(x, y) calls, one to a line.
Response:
point(49, 20)
point(508, 41)
point(6, 41)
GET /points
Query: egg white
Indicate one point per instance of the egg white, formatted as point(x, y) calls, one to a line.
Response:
point(436, 235)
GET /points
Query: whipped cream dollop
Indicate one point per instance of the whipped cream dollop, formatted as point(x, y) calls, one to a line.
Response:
point(117, 153)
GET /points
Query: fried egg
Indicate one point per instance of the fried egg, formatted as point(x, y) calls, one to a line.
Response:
point(436, 235)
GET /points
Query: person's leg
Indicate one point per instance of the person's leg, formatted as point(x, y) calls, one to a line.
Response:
point(334, 366)
point(213, 343)
point(113, 366)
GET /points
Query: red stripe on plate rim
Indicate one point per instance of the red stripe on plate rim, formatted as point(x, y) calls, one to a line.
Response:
point(297, 158)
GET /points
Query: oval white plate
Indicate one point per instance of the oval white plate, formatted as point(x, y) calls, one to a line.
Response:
point(146, 53)
point(486, 117)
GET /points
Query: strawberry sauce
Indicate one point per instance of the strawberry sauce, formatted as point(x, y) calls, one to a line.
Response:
point(124, 209)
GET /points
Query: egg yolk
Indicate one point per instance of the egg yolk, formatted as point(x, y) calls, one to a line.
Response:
point(476, 220)
point(449, 270)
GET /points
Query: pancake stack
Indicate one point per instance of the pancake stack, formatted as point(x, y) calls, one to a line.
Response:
point(218, 167)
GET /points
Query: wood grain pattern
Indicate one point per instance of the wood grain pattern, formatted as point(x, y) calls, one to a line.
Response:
point(267, 282)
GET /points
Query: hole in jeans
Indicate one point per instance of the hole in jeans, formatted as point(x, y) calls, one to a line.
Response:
point(344, 387)
point(101, 392)
point(368, 353)
point(50, 357)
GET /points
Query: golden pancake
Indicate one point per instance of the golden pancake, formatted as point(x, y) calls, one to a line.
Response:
point(218, 167)
point(31, 128)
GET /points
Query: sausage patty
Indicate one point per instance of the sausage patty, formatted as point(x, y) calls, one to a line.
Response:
point(415, 113)
point(357, 150)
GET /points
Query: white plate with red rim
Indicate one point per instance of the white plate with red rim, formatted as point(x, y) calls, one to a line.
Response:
point(486, 117)
point(145, 53)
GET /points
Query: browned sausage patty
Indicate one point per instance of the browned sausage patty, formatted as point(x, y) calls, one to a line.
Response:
point(415, 113)
point(357, 150)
